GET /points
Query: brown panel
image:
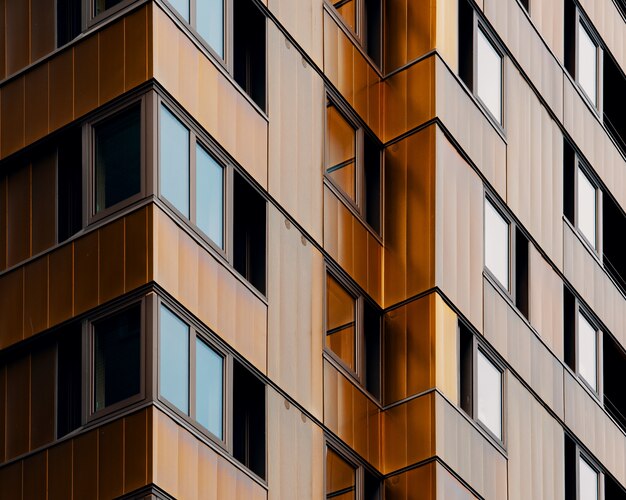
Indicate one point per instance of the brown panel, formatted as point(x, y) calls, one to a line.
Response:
point(42, 28)
point(35, 480)
point(111, 459)
point(61, 284)
point(60, 471)
point(111, 58)
point(11, 481)
point(136, 249)
point(166, 453)
point(86, 273)
point(44, 202)
point(36, 296)
point(18, 407)
point(187, 464)
point(86, 76)
point(42, 400)
point(111, 260)
point(11, 307)
point(18, 213)
point(339, 473)
point(136, 451)
point(2, 41)
point(3, 384)
point(413, 484)
point(135, 48)
point(61, 96)
point(36, 103)
point(17, 35)
point(3, 221)
point(12, 136)
point(85, 470)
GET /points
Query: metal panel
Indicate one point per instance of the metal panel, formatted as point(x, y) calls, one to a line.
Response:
point(111, 459)
point(61, 284)
point(18, 407)
point(42, 14)
point(35, 480)
point(86, 273)
point(111, 61)
point(60, 465)
point(86, 64)
point(17, 35)
point(111, 261)
point(43, 202)
point(136, 44)
point(12, 108)
point(61, 89)
point(36, 296)
point(42, 396)
point(36, 105)
point(85, 465)
point(11, 308)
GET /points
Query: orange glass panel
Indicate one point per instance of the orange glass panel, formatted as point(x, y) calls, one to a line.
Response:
point(341, 342)
point(340, 477)
point(340, 305)
point(341, 138)
point(347, 10)
point(345, 177)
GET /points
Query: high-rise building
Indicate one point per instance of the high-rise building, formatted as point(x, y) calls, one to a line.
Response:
point(313, 249)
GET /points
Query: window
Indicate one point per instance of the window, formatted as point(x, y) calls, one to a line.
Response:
point(346, 479)
point(353, 331)
point(102, 5)
point(480, 384)
point(210, 23)
point(353, 164)
point(248, 419)
point(69, 378)
point(174, 155)
point(614, 108)
point(586, 206)
point(582, 477)
point(613, 366)
point(364, 19)
point(69, 184)
point(117, 158)
point(174, 360)
point(68, 20)
point(249, 228)
point(481, 61)
point(497, 244)
point(117, 357)
point(209, 388)
point(587, 63)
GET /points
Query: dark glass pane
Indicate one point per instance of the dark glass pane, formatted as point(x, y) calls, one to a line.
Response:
point(372, 183)
point(69, 180)
point(69, 387)
point(466, 369)
point(102, 5)
point(68, 20)
point(371, 486)
point(373, 30)
point(371, 329)
point(117, 357)
point(118, 158)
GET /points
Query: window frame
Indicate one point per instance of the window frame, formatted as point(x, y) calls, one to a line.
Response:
point(480, 25)
point(348, 456)
point(582, 22)
point(89, 157)
point(357, 206)
point(583, 455)
point(581, 166)
point(359, 373)
point(581, 310)
point(91, 18)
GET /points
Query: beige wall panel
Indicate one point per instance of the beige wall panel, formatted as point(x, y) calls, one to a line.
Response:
point(610, 24)
point(447, 38)
point(446, 350)
point(548, 18)
point(295, 452)
point(519, 345)
point(471, 128)
point(534, 445)
point(303, 21)
point(591, 281)
point(459, 230)
point(460, 445)
point(296, 133)
point(585, 417)
point(546, 302)
point(527, 47)
point(449, 487)
point(534, 166)
point(295, 296)
point(218, 297)
point(230, 117)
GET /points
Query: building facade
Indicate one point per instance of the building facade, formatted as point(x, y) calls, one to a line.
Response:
point(313, 249)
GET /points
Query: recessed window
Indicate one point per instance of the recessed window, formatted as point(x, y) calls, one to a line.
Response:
point(587, 63)
point(249, 49)
point(353, 164)
point(68, 20)
point(174, 161)
point(340, 476)
point(586, 207)
point(174, 359)
point(489, 75)
point(209, 196)
point(209, 388)
point(587, 351)
point(182, 6)
point(497, 244)
point(117, 158)
point(613, 366)
point(117, 340)
point(69, 184)
point(364, 19)
point(210, 23)
point(489, 394)
point(588, 480)
point(69, 379)
point(341, 322)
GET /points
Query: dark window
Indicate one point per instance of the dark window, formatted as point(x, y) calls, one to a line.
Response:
point(372, 163)
point(614, 366)
point(614, 83)
point(248, 419)
point(621, 6)
point(372, 24)
point(466, 43)
point(249, 232)
point(612, 489)
point(613, 230)
point(570, 468)
point(117, 357)
point(521, 272)
point(102, 5)
point(371, 333)
point(466, 370)
point(569, 34)
point(118, 158)
point(569, 328)
point(249, 49)
point(371, 486)
point(69, 387)
point(68, 20)
point(69, 180)
point(525, 4)
point(569, 191)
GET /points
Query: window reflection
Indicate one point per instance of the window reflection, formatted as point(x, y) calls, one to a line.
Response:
point(209, 388)
point(587, 64)
point(174, 360)
point(586, 207)
point(497, 244)
point(588, 480)
point(489, 395)
point(210, 21)
point(209, 196)
point(489, 76)
point(174, 161)
point(587, 351)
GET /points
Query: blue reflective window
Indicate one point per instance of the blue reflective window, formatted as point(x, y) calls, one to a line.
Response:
point(210, 23)
point(174, 360)
point(174, 153)
point(182, 6)
point(209, 384)
point(209, 196)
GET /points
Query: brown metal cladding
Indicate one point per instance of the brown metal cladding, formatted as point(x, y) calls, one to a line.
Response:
point(85, 465)
point(3, 222)
point(406, 485)
point(17, 32)
point(86, 272)
point(17, 407)
point(3, 386)
point(11, 481)
point(60, 466)
point(111, 61)
point(12, 116)
point(36, 88)
point(61, 89)
point(36, 291)
point(2, 40)
point(86, 80)
point(137, 455)
point(42, 396)
point(34, 470)
point(111, 261)
point(18, 215)
point(11, 307)
point(42, 30)
point(61, 280)
point(110, 467)
point(136, 45)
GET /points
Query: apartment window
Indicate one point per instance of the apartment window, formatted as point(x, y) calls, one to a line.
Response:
point(497, 244)
point(174, 360)
point(69, 378)
point(117, 158)
point(174, 161)
point(249, 49)
point(209, 195)
point(353, 163)
point(586, 206)
point(117, 357)
point(209, 388)
point(69, 184)
point(249, 232)
point(480, 384)
point(364, 19)
point(587, 63)
point(210, 23)
point(614, 107)
point(346, 478)
point(249, 419)
point(582, 476)
point(68, 20)
point(613, 366)
point(102, 5)
point(353, 331)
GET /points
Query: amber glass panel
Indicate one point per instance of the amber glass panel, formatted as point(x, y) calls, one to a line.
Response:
point(340, 477)
point(341, 151)
point(347, 10)
point(340, 321)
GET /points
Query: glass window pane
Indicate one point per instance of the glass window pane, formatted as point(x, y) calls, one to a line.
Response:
point(489, 395)
point(586, 208)
point(340, 322)
point(347, 10)
point(587, 350)
point(210, 20)
point(209, 196)
point(118, 158)
point(102, 5)
point(174, 152)
point(489, 76)
point(340, 477)
point(209, 384)
point(174, 360)
point(182, 7)
point(497, 244)
point(341, 151)
point(117, 357)
point(588, 480)
point(587, 64)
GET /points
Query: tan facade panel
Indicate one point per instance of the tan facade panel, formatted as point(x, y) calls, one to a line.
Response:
point(449, 487)
point(446, 350)
point(608, 21)
point(295, 312)
point(420, 482)
point(296, 105)
point(548, 18)
point(447, 32)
